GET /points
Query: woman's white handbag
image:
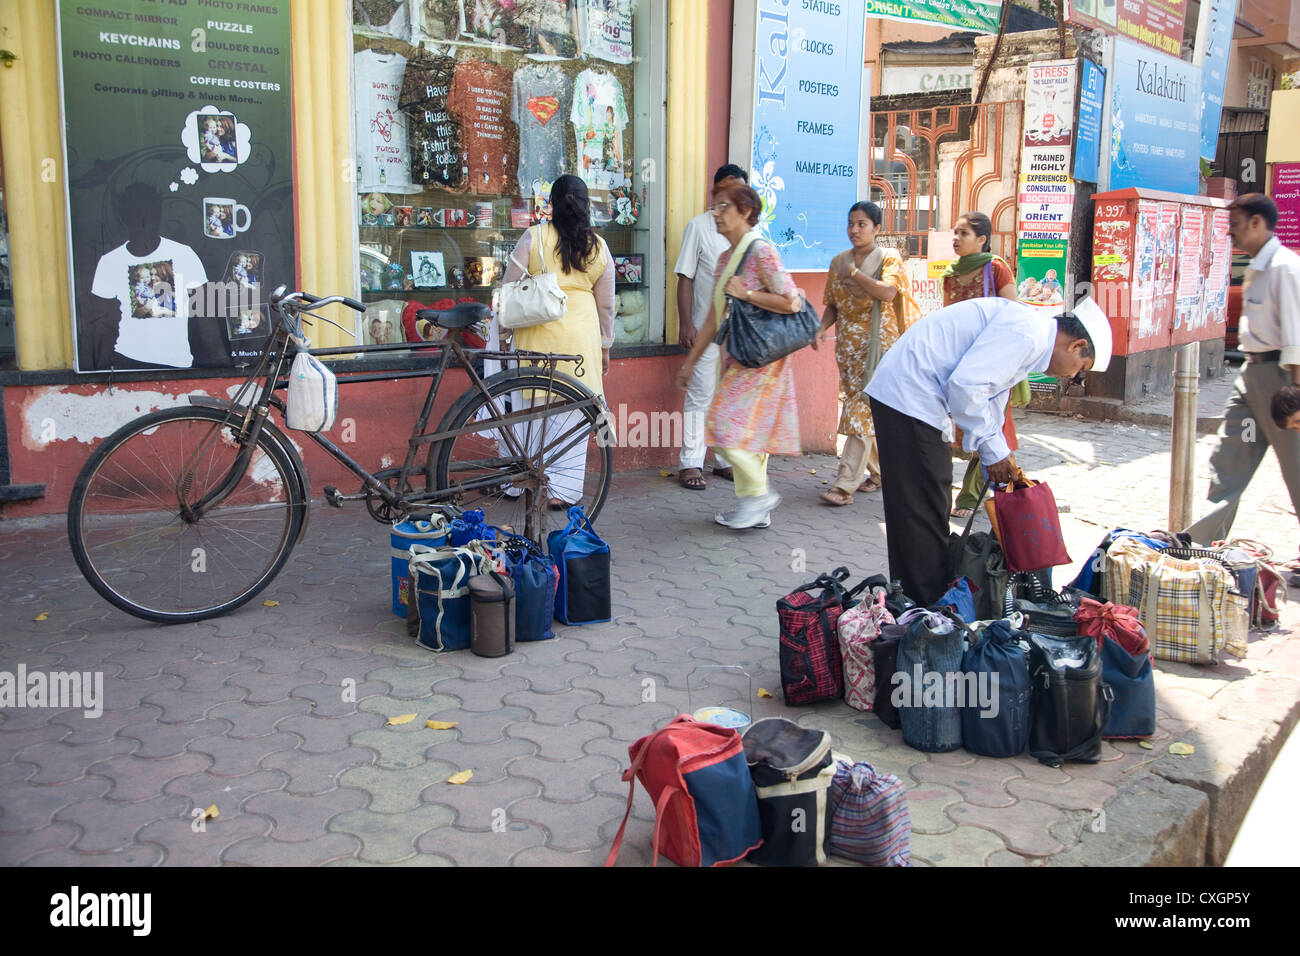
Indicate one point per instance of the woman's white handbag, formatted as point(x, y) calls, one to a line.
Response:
point(532, 300)
point(313, 395)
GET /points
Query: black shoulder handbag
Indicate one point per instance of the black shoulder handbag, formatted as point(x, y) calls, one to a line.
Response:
point(756, 337)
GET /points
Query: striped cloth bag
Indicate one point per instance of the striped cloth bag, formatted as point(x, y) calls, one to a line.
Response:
point(1187, 605)
point(867, 816)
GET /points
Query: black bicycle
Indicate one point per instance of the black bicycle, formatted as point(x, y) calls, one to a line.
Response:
point(187, 513)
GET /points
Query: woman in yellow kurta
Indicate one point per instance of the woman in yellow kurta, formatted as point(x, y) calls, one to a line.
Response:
point(859, 278)
point(580, 259)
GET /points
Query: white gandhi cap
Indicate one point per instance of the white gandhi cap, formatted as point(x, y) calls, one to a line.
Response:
point(1098, 326)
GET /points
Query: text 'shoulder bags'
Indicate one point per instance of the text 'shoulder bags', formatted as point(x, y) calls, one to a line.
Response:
point(583, 559)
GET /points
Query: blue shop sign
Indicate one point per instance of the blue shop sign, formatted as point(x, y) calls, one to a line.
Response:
point(1087, 148)
point(807, 124)
point(1155, 136)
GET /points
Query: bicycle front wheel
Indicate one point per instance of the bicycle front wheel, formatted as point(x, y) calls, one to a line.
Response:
point(141, 547)
point(569, 448)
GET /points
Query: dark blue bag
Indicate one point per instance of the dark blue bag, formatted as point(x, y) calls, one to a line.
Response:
point(1133, 711)
point(928, 667)
point(470, 527)
point(583, 561)
point(535, 577)
point(440, 577)
point(995, 718)
point(961, 599)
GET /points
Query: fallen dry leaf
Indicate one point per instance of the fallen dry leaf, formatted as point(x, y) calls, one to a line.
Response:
point(1145, 745)
point(764, 693)
point(665, 474)
point(270, 603)
point(400, 719)
point(211, 813)
point(462, 777)
point(440, 724)
point(42, 616)
point(1182, 749)
point(812, 471)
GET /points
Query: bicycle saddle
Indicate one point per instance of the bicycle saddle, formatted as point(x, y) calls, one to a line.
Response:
point(457, 317)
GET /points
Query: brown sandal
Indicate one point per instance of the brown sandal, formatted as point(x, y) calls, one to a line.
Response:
point(869, 486)
point(726, 474)
point(691, 479)
point(837, 497)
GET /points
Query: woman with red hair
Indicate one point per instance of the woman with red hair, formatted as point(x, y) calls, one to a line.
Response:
point(754, 413)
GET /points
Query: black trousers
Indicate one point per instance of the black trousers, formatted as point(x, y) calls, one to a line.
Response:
point(916, 482)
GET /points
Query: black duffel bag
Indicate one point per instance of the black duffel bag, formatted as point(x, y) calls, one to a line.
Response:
point(1070, 701)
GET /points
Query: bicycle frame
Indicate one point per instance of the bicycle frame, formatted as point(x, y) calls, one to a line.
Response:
point(271, 369)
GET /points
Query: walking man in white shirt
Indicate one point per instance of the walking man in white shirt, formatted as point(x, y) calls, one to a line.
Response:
point(697, 262)
point(1270, 338)
point(960, 363)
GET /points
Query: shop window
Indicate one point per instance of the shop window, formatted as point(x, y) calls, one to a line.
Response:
point(467, 110)
point(1259, 85)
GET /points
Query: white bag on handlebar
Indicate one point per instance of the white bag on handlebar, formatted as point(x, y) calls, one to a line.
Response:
point(313, 395)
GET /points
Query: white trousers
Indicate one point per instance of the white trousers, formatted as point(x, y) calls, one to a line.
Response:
point(566, 470)
point(699, 396)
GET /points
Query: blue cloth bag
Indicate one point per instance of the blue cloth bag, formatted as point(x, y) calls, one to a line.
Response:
point(535, 577)
point(442, 594)
point(1133, 711)
point(961, 599)
point(929, 659)
point(997, 666)
point(1088, 579)
point(582, 558)
point(470, 527)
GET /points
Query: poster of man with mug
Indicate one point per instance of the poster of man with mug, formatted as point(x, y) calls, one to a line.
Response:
point(172, 193)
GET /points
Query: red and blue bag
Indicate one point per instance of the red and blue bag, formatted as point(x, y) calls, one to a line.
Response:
point(706, 809)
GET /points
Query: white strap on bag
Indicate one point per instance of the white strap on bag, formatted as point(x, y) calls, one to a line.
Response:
point(468, 563)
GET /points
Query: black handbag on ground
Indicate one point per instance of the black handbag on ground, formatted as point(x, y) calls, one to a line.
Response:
point(978, 558)
point(884, 652)
point(1045, 611)
point(756, 337)
point(1071, 703)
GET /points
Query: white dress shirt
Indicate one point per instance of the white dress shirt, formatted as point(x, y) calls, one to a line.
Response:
point(1270, 303)
point(961, 362)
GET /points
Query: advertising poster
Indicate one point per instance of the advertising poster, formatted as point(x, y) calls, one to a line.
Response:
point(1216, 287)
point(1286, 193)
point(1155, 130)
point(1157, 24)
point(1046, 194)
point(1146, 255)
point(978, 16)
point(807, 122)
point(1189, 306)
point(1214, 76)
point(179, 177)
point(1087, 134)
point(926, 289)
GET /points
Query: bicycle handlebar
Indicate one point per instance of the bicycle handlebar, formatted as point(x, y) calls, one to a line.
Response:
point(281, 298)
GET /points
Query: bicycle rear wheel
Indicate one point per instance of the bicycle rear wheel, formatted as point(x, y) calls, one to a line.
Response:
point(570, 445)
point(135, 546)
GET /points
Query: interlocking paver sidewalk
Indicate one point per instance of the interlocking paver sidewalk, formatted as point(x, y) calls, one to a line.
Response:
point(278, 715)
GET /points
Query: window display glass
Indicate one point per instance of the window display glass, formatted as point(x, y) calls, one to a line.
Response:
point(468, 110)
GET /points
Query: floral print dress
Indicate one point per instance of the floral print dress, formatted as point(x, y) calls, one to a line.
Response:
point(853, 308)
point(754, 409)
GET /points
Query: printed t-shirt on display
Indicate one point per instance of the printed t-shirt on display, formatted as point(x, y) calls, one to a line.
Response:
point(541, 101)
point(480, 99)
point(599, 115)
point(389, 17)
point(153, 293)
point(436, 19)
point(383, 156)
point(606, 29)
point(435, 135)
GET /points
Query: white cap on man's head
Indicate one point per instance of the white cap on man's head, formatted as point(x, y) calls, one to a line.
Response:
point(1098, 327)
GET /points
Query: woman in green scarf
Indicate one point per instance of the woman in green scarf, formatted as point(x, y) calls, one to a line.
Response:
point(977, 273)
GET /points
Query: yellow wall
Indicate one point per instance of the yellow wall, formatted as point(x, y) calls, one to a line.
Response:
point(35, 191)
point(1283, 130)
point(688, 67)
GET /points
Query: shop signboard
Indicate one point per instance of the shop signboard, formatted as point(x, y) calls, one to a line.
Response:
point(179, 179)
point(1214, 72)
point(1155, 134)
point(978, 16)
point(808, 108)
point(1286, 193)
point(924, 79)
point(1046, 194)
point(1157, 24)
point(1087, 145)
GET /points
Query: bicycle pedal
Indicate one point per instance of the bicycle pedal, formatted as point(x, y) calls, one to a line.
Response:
point(333, 497)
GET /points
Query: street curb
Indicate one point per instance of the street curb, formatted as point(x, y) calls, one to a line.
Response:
point(1113, 410)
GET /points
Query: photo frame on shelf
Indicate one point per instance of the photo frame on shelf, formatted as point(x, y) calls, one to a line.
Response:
point(429, 270)
point(629, 268)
